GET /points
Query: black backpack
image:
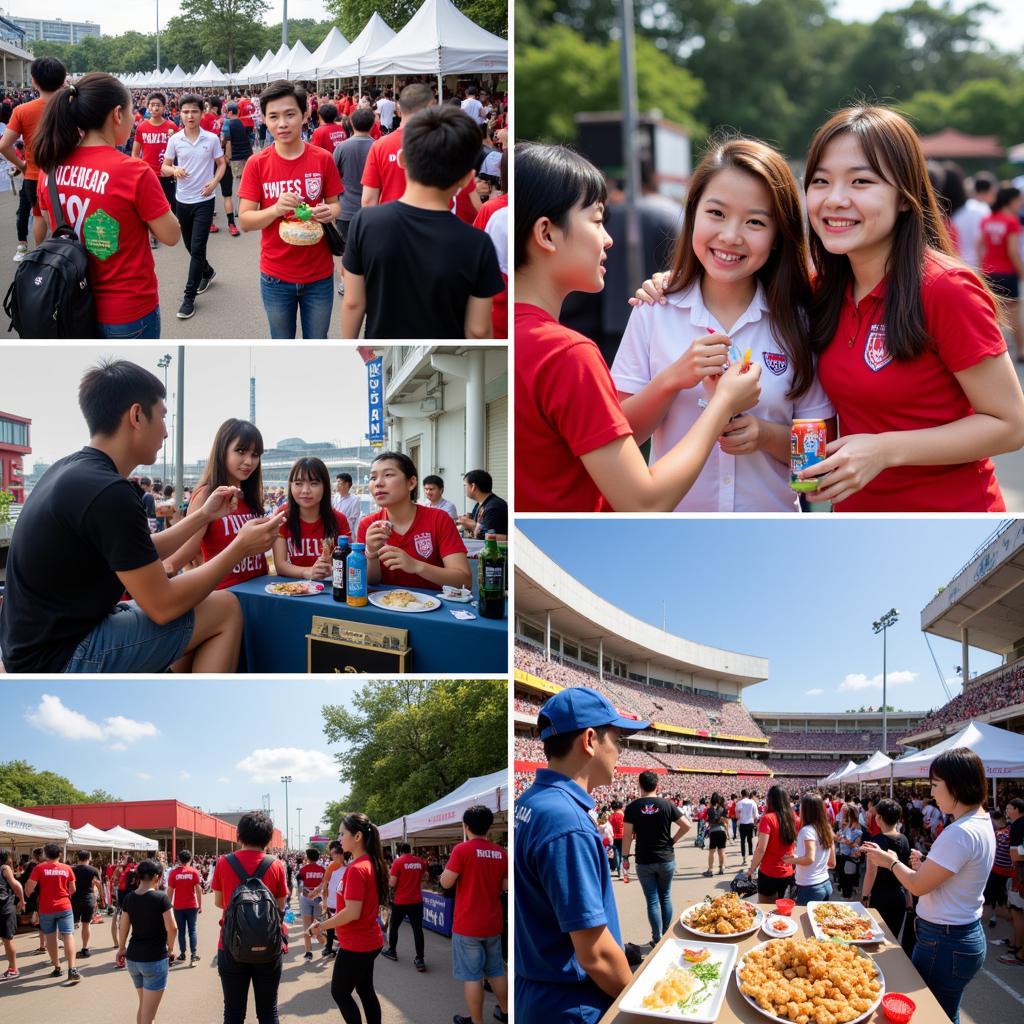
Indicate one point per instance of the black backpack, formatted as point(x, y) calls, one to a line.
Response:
point(50, 296)
point(253, 931)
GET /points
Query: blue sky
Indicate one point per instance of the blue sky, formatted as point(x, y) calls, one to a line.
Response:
point(801, 592)
point(215, 745)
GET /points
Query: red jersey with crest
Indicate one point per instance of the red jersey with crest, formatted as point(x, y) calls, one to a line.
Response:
point(431, 538)
point(311, 175)
point(152, 140)
point(220, 533)
point(873, 393)
point(327, 136)
point(305, 549)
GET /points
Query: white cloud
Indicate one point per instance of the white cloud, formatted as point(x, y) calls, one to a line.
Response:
point(184, 775)
point(269, 764)
point(859, 681)
point(145, 776)
point(816, 692)
point(224, 780)
point(53, 716)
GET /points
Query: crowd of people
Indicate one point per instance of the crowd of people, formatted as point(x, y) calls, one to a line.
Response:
point(1003, 690)
point(319, 176)
point(169, 590)
point(352, 900)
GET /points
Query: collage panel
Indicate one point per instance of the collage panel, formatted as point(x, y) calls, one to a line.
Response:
point(767, 751)
point(134, 819)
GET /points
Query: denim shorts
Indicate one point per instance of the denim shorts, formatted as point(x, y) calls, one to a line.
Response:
point(127, 640)
point(475, 959)
point(820, 893)
point(310, 908)
point(150, 975)
point(62, 921)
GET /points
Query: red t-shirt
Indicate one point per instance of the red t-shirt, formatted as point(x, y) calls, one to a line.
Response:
point(431, 538)
point(245, 112)
point(53, 879)
point(314, 177)
point(182, 881)
point(311, 875)
point(410, 871)
point(616, 819)
point(24, 120)
point(225, 881)
point(730, 809)
point(464, 208)
point(566, 406)
point(837, 806)
point(207, 122)
point(873, 393)
point(220, 533)
point(771, 862)
point(122, 878)
point(307, 549)
point(488, 210)
point(327, 136)
point(363, 935)
point(382, 169)
point(108, 197)
point(481, 866)
point(499, 307)
point(152, 140)
point(998, 230)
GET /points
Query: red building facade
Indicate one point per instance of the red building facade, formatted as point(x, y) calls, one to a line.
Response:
point(14, 443)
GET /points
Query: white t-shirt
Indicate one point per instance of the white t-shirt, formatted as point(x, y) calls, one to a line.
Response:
point(967, 221)
point(445, 506)
point(816, 873)
point(349, 507)
point(967, 847)
point(333, 885)
point(198, 158)
point(386, 109)
point(746, 811)
point(655, 337)
point(473, 107)
point(497, 231)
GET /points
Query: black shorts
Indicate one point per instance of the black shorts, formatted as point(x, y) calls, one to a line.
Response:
point(716, 840)
point(82, 910)
point(777, 888)
point(1006, 286)
point(227, 183)
point(122, 895)
point(9, 921)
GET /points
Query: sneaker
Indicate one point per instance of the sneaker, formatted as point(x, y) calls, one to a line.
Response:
point(1011, 958)
point(341, 287)
point(708, 874)
point(73, 976)
point(20, 253)
point(389, 954)
point(326, 952)
point(419, 964)
point(56, 973)
point(498, 1015)
point(181, 958)
point(153, 243)
point(10, 975)
point(84, 953)
point(194, 960)
point(721, 871)
point(461, 1020)
point(187, 309)
point(214, 229)
point(308, 957)
point(233, 230)
point(204, 282)
point(39, 949)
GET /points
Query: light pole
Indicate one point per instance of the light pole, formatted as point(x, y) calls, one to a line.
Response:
point(890, 618)
point(287, 836)
point(162, 363)
point(298, 825)
point(158, 35)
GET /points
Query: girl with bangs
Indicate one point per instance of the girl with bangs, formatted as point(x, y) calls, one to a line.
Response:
point(234, 461)
point(739, 282)
point(311, 533)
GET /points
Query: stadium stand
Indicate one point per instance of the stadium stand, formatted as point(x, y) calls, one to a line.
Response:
point(1004, 690)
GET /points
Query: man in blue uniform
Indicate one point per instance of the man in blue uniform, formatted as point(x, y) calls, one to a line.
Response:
point(569, 964)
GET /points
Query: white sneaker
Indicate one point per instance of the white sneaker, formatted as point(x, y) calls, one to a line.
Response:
point(20, 253)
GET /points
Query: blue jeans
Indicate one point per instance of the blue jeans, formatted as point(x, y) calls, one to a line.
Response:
point(947, 957)
point(617, 856)
point(656, 882)
point(313, 302)
point(146, 328)
point(187, 919)
point(819, 893)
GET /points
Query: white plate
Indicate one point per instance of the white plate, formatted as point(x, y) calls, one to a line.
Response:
point(671, 953)
point(859, 909)
point(758, 918)
point(311, 588)
point(464, 598)
point(791, 928)
point(785, 1020)
point(426, 603)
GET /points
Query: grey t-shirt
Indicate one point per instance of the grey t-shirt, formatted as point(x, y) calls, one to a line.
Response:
point(350, 159)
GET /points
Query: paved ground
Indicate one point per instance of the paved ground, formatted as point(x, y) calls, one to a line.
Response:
point(193, 995)
point(996, 996)
point(230, 309)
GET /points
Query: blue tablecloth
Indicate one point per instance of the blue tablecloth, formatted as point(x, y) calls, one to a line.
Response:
point(276, 628)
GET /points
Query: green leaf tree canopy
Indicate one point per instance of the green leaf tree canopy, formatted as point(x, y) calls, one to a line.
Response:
point(21, 785)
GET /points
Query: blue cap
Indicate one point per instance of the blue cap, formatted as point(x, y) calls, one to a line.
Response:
point(579, 707)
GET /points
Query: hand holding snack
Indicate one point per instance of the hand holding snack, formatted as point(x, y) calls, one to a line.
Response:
point(258, 535)
point(377, 536)
point(322, 213)
point(739, 388)
point(287, 202)
point(221, 502)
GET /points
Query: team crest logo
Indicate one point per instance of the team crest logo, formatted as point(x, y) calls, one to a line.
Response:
point(776, 362)
point(314, 185)
point(424, 545)
point(876, 355)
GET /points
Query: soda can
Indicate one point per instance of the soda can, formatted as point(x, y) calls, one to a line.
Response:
point(807, 440)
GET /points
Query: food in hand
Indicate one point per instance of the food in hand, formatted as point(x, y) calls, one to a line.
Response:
point(300, 228)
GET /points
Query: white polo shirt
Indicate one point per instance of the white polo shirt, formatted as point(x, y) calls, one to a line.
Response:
point(655, 337)
point(199, 159)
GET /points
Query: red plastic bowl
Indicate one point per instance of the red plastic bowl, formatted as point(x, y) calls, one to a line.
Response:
point(784, 907)
point(898, 1008)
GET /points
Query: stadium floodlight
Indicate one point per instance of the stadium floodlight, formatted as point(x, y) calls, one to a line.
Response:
point(287, 837)
point(890, 618)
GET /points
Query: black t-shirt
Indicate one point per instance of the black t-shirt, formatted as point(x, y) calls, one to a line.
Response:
point(493, 517)
point(238, 134)
point(887, 888)
point(82, 524)
point(652, 818)
point(1017, 831)
point(148, 940)
point(421, 267)
point(84, 875)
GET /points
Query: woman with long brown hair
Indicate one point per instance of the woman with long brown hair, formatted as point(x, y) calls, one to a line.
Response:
point(776, 834)
point(814, 854)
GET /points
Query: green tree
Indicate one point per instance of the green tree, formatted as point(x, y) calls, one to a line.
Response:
point(928, 111)
point(352, 15)
point(409, 741)
point(21, 785)
point(180, 44)
point(333, 813)
point(232, 28)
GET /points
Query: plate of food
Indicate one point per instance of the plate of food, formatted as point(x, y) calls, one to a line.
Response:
point(682, 981)
point(848, 922)
point(295, 588)
point(460, 595)
point(404, 601)
point(725, 916)
point(807, 979)
point(776, 926)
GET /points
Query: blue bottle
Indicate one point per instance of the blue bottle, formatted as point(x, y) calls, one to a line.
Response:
point(356, 590)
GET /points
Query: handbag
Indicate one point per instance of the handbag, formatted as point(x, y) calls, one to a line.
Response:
point(334, 240)
point(850, 866)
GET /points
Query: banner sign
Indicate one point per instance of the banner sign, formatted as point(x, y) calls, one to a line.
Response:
point(437, 913)
point(375, 399)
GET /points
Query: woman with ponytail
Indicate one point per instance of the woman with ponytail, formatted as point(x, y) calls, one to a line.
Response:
point(112, 201)
point(360, 939)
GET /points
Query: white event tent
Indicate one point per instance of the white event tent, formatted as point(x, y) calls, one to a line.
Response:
point(875, 767)
point(89, 837)
point(838, 773)
point(323, 57)
point(128, 840)
point(23, 826)
point(376, 34)
point(275, 69)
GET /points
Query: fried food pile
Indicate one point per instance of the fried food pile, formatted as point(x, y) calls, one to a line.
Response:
point(677, 986)
point(290, 589)
point(399, 599)
point(724, 915)
point(838, 921)
point(811, 981)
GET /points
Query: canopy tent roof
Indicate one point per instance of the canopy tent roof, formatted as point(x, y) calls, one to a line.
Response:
point(875, 767)
point(210, 75)
point(23, 826)
point(326, 54)
point(438, 39)
point(129, 840)
point(297, 58)
point(1001, 752)
point(275, 69)
point(89, 837)
point(250, 65)
point(376, 34)
point(838, 772)
point(443, 818)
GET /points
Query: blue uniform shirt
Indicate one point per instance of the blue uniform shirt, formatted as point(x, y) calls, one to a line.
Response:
point(563, 884)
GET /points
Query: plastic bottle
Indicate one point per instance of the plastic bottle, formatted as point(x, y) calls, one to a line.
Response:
point(338, 560)
point(356, 589)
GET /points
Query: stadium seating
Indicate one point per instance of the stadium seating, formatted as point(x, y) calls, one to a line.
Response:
point(1002, 691)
